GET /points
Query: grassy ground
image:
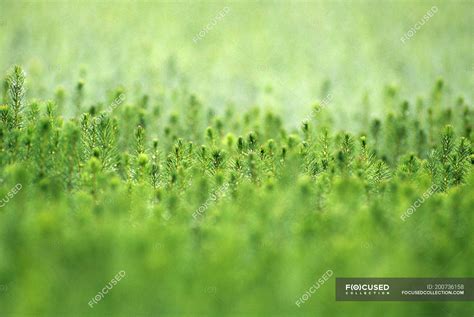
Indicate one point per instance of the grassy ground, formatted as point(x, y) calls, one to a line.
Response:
point(225, 176)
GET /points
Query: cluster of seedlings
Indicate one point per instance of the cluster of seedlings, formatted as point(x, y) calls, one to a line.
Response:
point(186, 198)
point(133, 142)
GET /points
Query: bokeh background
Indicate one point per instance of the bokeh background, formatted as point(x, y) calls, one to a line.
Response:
point(278, 54)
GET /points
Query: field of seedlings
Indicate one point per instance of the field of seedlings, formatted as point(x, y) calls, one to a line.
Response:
point(233, 159)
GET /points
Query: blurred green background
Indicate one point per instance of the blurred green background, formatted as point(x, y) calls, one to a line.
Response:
point(279, 54)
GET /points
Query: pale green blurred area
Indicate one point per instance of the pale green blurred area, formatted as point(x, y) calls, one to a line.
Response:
point(275, 54)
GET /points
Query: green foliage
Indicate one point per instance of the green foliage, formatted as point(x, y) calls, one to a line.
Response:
point(117, 190)
point(16, 89)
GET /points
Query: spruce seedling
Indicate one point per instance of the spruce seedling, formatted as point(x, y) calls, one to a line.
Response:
point(16, 89)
